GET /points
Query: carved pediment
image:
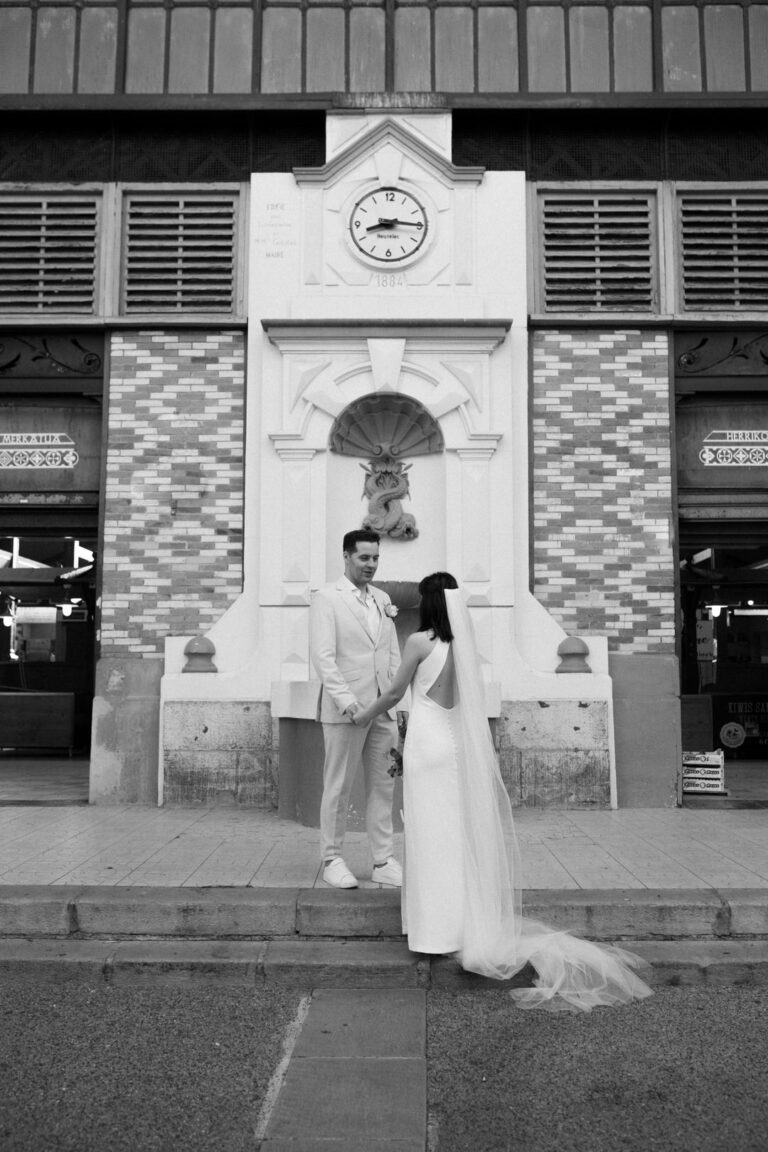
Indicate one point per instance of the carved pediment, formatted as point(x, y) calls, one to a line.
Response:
point(388, 131)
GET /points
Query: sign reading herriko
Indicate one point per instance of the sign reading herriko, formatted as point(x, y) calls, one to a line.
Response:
point(733, 448)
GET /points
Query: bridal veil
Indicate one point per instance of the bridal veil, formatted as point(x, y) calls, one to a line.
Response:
point(497, 939)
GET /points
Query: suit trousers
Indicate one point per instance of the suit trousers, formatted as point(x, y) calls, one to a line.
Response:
point(346, 747)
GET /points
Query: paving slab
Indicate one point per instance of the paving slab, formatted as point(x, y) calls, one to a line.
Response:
point(310, 1144)
point(383, 966)
point(366, 912)
point(362, 1023)
point(630, 914)
point(37, 910)
point(162, 911)
point(748, 911)
point(55, 961)
point(352, 964)
point(447, 975)
point(350, 1099)
point(285, 913)
point(685, 962)
point(172, 962)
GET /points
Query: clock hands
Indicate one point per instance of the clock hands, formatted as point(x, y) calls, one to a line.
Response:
point(394, 223)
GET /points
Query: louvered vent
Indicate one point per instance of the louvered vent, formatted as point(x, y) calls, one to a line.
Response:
point(724, 241)
point(598, 252)
point(48, 253)
point(180, 252)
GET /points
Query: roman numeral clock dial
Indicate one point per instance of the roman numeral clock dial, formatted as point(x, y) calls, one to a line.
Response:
point(388, 226)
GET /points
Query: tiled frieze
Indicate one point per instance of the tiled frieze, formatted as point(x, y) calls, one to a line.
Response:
point(602, 486)
point(172, 558)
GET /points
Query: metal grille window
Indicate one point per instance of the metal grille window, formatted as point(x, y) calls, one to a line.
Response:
point(179, 252)
point(723, 249)
point(598, 251)
point(49, 248)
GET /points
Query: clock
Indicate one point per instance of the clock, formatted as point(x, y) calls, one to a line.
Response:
point(389, 226)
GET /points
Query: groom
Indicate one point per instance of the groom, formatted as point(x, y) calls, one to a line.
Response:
point(355, 653)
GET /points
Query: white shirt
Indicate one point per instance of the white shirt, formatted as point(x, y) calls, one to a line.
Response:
point(370, 607)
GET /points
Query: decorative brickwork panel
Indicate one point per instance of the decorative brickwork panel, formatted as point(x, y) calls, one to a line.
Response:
point(602, 486)
point(172, 559)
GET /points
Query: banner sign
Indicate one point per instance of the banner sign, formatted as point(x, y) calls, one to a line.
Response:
point(722, 446)
point(52, 448)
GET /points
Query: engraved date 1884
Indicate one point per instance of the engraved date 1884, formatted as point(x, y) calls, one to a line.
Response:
point(389, 280)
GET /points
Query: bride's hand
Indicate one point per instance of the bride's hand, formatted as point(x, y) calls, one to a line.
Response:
point(361, 718)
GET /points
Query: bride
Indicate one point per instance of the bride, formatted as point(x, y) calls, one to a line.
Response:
point(460, 892)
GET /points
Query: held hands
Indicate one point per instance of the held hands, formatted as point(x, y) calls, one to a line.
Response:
point(357, 714)
point(352, 709)
point(360, 716)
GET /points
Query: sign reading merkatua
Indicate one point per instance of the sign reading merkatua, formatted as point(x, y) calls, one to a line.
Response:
point(37, 450)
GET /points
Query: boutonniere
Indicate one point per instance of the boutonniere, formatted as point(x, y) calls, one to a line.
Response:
point(391, 610)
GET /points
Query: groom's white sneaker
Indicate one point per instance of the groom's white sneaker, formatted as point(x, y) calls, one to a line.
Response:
point(389, 872)
point(337, 874)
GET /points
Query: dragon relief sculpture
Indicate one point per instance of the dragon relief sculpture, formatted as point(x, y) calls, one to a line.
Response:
point(386, 485)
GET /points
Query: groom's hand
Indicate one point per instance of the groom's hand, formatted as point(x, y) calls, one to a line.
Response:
point(351, 709)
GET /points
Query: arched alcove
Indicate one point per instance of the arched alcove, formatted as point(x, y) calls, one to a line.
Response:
point(385, 424)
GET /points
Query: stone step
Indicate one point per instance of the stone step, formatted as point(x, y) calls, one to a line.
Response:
point(115, 913)
point(338, 964)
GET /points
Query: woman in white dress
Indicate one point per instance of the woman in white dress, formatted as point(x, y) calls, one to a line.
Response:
point(460, 892)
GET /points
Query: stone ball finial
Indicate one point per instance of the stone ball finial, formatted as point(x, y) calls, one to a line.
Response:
point(199, 652)
point(573, 652)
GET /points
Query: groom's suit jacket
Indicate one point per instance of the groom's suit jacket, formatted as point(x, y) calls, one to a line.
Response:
point(352, 663)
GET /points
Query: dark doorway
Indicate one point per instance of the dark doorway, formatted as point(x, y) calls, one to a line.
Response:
point(51, 386)
point(721, 421)
point(724, 665)
point(47, 661)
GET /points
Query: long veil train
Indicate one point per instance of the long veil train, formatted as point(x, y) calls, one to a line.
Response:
point(497, 939)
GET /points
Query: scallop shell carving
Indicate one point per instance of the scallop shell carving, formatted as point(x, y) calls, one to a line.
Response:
point(387, 424)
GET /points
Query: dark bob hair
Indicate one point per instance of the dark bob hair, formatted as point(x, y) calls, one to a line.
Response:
point(433, 615)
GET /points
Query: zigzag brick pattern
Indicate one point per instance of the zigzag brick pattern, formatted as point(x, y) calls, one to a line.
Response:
point(602, 503)
point(174, 486)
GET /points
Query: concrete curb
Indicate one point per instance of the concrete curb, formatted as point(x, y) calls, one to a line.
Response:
point(118, 913)
point(348, 964)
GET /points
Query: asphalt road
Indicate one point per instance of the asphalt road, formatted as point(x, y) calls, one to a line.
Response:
point(116, 1069)
point(124, 1069)
point(684, 1071)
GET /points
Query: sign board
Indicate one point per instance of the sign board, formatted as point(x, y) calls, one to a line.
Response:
point(723, 446)
point(49, 448)
point(740, 724)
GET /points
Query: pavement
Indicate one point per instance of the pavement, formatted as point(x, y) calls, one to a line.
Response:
point(134, 897)
point(235, 894)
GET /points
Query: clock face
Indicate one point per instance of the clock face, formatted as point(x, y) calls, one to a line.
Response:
point(388, 225)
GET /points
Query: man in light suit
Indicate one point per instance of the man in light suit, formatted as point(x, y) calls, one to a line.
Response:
point(355, 652)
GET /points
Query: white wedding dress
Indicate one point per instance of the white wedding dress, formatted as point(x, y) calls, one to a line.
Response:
point(460, 889)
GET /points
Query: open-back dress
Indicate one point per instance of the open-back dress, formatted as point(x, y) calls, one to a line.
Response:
point(461, 878)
